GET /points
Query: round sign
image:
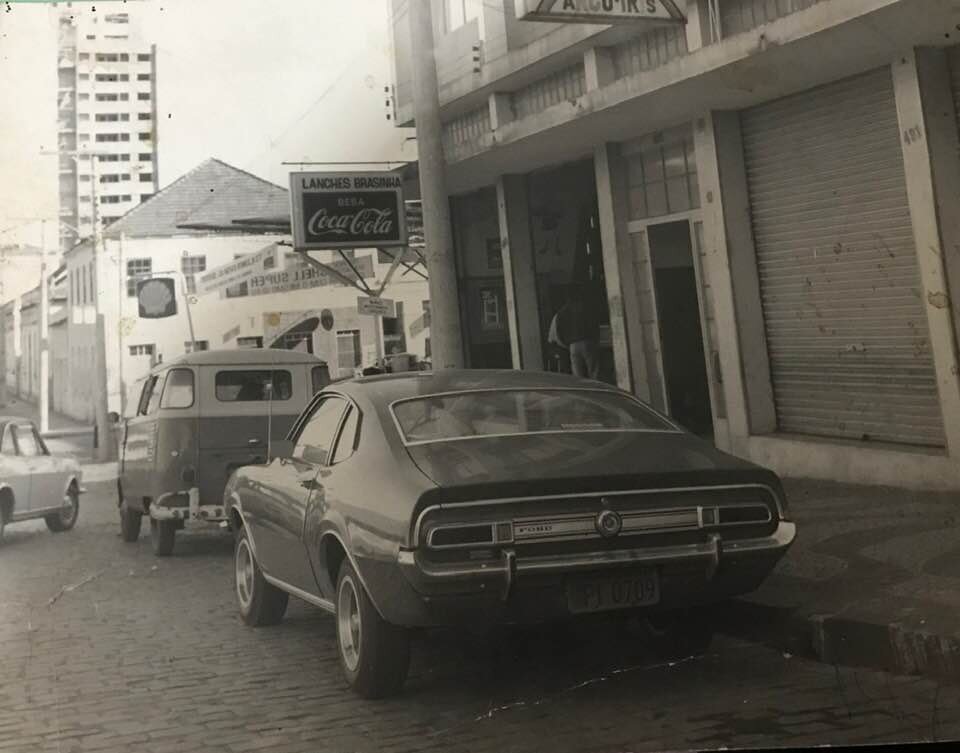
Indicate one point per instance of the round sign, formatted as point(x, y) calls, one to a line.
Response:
point(326, 319)
point(273, 319)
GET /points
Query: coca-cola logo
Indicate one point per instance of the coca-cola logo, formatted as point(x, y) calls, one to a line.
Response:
point(364, 222)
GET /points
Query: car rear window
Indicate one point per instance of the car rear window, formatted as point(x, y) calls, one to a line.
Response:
point(434, 418)
point(253, 386)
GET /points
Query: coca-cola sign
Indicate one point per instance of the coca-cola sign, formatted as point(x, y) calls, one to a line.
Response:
point(347, 210)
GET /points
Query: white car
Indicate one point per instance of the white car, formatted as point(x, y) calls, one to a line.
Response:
point(34, 483)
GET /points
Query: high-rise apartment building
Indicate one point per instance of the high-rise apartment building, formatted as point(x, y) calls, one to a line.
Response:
point(107, 124)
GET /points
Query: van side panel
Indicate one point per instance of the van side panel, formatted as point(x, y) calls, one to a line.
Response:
point(177, 456)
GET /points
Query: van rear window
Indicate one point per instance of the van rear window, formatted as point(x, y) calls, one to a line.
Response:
point(253, 386)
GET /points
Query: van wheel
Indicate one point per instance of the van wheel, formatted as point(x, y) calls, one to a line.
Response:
point(374, 655)
point(162, 535)
point(260, 602)
point(130, 521)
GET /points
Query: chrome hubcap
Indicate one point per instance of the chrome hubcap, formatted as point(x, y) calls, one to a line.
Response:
point(244, 566)
point(348, 623)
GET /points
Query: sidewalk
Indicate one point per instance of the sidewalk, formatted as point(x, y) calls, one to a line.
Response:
point(873, 580)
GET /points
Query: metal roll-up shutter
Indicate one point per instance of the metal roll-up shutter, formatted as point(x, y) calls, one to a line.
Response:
point(850, 353)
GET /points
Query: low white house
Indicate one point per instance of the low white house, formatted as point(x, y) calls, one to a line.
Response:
point(179, 234)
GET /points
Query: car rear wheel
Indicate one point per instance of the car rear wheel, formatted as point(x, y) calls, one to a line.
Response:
point(374, 654)
point(260, 602)
point(130, 522)
point(67, 517)
point(162, 536)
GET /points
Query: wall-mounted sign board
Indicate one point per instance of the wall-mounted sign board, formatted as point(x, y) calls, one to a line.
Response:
point(598, 11)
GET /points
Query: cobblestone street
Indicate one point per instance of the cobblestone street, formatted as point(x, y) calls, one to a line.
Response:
point(105, 648)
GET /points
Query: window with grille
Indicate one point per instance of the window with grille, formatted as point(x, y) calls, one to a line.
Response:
point(135, 269)
point(196, 346)
point(249, 343)
point(141, 350)
point(567, 84)
point(663, 179)
point(192, 266)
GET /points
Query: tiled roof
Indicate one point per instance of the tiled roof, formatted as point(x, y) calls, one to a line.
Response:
point(213, 193)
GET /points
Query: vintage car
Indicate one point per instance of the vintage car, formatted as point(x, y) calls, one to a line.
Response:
point(33, 483)
point(468, 497)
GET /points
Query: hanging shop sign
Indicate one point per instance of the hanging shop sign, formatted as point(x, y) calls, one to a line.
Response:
point(300, 276)
point(375, 306)
point(347, 210)
point(238, 270)
point(598, 11)
point(157, 298)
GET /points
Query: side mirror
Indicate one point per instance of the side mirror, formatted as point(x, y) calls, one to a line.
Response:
point(280, 448)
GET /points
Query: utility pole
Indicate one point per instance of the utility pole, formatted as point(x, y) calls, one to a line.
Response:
point(44, 334)
point(445, 336)
point(104, 437)
point(3, 353)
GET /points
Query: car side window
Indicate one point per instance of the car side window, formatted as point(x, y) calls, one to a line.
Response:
point(348, 439)
point(178, 392)
point(315, 439)
point(27, 442)
point(6, 442)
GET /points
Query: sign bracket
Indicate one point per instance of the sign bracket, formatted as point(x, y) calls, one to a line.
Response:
point(359, 277)
point(408, 267)
point(333, 272)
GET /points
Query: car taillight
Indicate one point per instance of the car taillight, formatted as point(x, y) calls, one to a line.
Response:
point(469, 535)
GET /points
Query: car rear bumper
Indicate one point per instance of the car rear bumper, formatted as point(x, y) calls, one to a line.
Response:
point(185, 505)
point(532, 589)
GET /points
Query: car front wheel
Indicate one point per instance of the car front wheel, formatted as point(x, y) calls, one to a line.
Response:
point(374, 654)
point(260, 602)
point(67, 517)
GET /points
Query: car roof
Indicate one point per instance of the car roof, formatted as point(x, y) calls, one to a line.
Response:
point(242, 357)
point(385, 388)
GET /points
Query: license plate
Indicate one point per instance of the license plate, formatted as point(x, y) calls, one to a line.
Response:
point(613, 592)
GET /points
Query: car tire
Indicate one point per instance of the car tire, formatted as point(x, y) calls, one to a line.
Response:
point(678, 634)
point(66, 519)
point(130, 522)
point(374, 655)
point(260, 602)
point(162, 535)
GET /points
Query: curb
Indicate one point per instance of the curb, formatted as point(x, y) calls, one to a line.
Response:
point(892, 647)
point(844, 640)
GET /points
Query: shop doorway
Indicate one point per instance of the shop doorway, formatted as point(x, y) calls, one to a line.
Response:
point(681, 332)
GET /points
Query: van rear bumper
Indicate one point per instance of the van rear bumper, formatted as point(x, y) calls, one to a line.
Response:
point(185, 505)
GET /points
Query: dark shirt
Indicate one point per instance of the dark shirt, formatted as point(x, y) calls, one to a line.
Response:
point(578, 321)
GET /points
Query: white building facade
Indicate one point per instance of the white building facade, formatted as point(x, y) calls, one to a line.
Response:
point(764, 198)
point(315, 314)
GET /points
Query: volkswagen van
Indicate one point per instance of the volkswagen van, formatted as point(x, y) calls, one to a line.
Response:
point(190, 423)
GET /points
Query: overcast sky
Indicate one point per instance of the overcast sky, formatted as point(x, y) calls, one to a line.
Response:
point(252, 83)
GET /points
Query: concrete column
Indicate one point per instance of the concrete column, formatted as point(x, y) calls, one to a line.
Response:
point(619, 271)
point(598, 67)
point(921, 86)
point(501, 110)
point(698, 25)
point(731, 258)
point(519, 273)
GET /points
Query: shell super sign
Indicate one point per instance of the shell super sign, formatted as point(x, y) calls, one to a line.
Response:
point(157, 298)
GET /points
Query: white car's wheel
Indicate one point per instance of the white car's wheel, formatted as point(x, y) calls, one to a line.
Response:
point(260, 602)
point(67, 517)
point(374, 654)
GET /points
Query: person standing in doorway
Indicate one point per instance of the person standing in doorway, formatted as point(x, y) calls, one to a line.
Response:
point(579, 326)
